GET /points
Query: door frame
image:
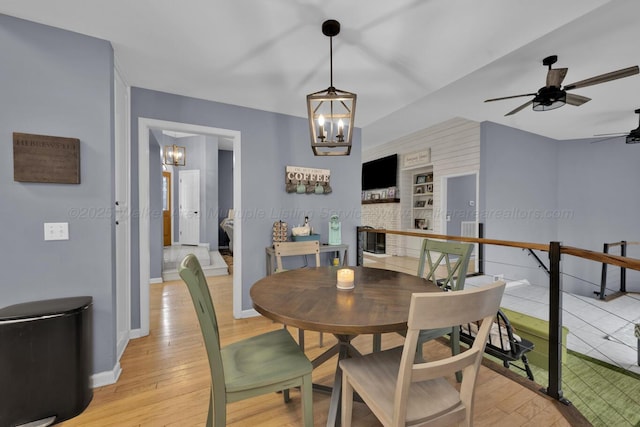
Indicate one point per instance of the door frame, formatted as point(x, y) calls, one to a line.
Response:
point(145, 125)
point(122, 169)
point(443, 203)
point(169, 175)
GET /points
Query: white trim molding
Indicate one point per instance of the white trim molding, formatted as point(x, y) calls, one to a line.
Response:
point(144, 127)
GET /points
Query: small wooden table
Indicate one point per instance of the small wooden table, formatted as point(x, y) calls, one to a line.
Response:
point(270, 255)
point(308, 299)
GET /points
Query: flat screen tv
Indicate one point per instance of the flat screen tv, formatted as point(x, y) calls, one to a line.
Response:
point(380, 173)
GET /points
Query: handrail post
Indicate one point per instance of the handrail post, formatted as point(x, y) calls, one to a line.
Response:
point(360, 246)
point(555, 324)
point(481, 249)
point(623, 270)
point(603, 275)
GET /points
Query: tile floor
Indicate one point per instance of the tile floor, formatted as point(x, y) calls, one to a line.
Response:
point(211, 261)
point(600, 329)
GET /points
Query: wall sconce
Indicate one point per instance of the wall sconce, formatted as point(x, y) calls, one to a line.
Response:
point(332, 111)
point(174, 155)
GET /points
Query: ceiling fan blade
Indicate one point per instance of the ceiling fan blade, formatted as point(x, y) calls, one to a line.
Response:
point(602, 78)
point(522, 107)
point(509, 97)
point(607, 139)
point(555, 76)
point(612, 134)
point(577, 100)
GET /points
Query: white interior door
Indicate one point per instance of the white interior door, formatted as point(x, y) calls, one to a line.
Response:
point(122, 224)
point(189, 195)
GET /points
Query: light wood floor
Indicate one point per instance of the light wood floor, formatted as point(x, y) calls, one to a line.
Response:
point(165, 376)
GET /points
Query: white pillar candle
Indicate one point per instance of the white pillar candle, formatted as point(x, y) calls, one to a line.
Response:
point(345, 278)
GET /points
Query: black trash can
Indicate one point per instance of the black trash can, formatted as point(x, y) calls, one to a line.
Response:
point(45, 360)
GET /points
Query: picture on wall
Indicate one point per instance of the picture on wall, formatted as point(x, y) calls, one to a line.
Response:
point(391, 192)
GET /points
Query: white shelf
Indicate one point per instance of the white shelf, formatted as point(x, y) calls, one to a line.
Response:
point(422, 215)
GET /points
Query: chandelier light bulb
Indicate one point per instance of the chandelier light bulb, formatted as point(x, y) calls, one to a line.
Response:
point(321, 136)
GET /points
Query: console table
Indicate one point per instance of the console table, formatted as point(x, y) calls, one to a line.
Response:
point(341, 252)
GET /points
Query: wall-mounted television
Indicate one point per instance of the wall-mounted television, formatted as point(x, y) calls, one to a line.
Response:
point(380, 173)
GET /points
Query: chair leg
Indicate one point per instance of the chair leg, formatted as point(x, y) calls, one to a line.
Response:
point(285, 394)
point(301, 339)
point(321, 340)
point(377, 343)
point(210, 412)
point(347, 401)
point(455, 349)
point(217, 412)
point(419, 356)
point(307, 400)
point(527, 368)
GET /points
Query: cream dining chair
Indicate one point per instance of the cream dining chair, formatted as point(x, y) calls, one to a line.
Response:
point(285, 249)
point(401, 391)
point(448, 259)
point(255, 366)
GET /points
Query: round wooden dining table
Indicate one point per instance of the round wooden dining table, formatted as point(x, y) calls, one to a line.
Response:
point(309, 299)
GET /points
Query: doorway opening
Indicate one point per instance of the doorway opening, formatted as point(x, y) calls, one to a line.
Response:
point(460, 208)
point(145, 127)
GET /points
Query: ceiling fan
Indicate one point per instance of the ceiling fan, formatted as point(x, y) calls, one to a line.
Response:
point(633, 137)
point(554, 95)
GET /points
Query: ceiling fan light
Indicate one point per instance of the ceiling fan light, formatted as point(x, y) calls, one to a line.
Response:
point(633, 138)
point(549, 98)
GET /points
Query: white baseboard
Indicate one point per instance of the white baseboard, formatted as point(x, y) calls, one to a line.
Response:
point(105, 378)
point(248, 313)
point(136, 333)
point(517, 283)
point(155, 280)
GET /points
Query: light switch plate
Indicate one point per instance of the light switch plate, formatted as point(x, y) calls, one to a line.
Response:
point(56, 231)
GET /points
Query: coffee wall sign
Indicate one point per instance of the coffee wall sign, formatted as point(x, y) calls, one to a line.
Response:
point(47, 159)
point(307, 180)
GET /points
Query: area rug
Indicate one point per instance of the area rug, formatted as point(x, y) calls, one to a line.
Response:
point(605, 394)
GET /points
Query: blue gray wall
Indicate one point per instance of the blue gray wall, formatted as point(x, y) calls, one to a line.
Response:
point(518, 197)
point(55, 82)
point(225, 190)
point(598, 184)
point(270, 142)
point(536, 189)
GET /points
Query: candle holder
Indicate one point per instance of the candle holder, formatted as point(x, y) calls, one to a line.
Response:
point(345, 279)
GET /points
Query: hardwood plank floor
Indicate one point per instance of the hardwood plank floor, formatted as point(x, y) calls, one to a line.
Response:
point(165, 377)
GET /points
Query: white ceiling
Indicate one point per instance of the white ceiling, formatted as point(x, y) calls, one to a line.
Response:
point(412, 63)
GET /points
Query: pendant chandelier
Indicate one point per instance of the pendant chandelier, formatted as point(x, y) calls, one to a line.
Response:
point(174, 155)
point(331, 111)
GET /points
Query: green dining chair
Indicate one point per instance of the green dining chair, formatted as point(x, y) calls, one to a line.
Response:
point(255, 366)
point(454, 256)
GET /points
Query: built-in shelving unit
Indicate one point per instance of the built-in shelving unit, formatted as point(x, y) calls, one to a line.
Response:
point(422, 199)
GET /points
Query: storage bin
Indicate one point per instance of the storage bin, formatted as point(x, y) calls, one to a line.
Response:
point(45, 360)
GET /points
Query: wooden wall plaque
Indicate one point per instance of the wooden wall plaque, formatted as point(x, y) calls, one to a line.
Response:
point(42, 158)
